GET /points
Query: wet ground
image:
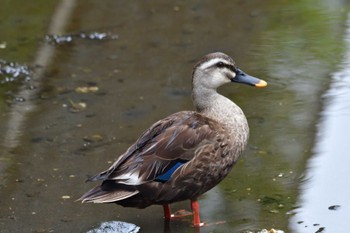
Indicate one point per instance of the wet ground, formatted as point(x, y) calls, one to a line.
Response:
point(88, 98)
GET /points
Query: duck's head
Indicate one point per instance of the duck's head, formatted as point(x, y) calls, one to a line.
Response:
point(217, 69)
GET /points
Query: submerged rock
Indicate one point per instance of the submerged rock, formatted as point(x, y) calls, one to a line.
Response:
point(116, 227)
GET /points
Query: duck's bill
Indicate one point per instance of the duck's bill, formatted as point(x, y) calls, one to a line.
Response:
point(244, 78)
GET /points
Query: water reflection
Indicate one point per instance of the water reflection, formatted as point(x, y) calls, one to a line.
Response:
point(324, 201)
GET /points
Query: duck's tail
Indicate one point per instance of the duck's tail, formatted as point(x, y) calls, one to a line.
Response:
point(108, 192)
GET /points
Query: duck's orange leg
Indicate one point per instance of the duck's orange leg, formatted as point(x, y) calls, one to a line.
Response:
point(167, 212)
point(195, 211)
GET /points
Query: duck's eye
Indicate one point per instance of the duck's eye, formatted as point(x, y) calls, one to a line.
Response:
point(221, 65)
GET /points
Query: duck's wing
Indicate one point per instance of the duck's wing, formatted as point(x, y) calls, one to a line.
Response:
point(161, 149)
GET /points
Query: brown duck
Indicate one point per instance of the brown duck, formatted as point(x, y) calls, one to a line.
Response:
point(185, 154)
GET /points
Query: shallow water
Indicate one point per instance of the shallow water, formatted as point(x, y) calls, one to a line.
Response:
point(49, 147)
point(324, 198)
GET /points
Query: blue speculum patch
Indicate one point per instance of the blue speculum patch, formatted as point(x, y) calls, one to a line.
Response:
point(166, 176)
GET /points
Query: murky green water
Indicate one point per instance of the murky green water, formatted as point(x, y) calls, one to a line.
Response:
point(143, 76)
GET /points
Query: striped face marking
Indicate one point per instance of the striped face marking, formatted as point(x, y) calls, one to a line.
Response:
point(211, 62)
point(218, 63)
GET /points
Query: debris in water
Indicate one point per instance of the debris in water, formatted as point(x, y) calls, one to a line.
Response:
point(84, 90)
point(334, 207)
point(93, 138)
point(65, 39)
point(98, 36)
point(3, 45)
point(321, 229)
point(12, 71)
point(273, 211)
point(77, 106)
point(270, 231)
point(19, 99)
point(116, 227)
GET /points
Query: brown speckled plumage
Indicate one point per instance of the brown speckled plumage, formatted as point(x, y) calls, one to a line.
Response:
point(206, 142)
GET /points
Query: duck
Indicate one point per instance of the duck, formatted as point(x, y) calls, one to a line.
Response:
point(185, 154)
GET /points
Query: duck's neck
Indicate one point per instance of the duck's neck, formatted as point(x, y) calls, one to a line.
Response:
point(219, 108)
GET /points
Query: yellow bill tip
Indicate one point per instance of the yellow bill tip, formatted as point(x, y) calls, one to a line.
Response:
point(261, 83)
